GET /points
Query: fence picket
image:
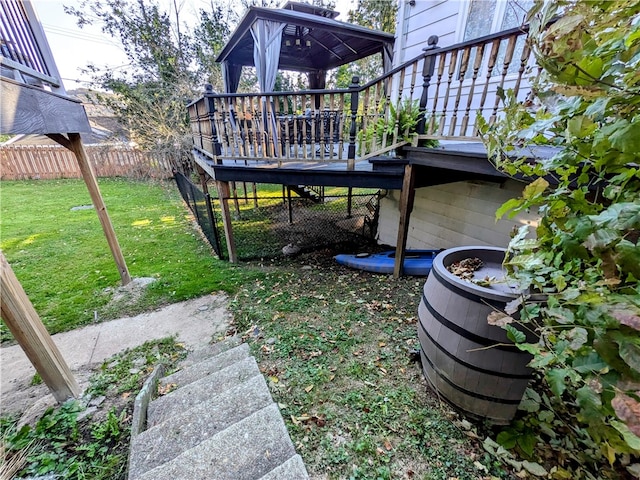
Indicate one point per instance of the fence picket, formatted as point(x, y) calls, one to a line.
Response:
point(19, 162)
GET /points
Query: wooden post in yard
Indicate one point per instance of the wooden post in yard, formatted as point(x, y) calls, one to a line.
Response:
point(406, 206)
point(74, 143)
point(224, 194)
point(27, 328)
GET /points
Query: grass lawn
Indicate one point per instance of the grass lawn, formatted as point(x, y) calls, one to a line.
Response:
point(62, 259)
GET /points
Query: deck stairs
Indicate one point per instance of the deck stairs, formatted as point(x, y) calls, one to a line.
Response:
point(217, 421)
point(310, 193)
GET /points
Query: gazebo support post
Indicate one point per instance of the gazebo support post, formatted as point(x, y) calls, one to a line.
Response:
point(74, 143)
point(406, 206)
point(27, 328)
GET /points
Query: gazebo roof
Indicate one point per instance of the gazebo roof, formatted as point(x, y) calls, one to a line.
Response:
point(333, 43)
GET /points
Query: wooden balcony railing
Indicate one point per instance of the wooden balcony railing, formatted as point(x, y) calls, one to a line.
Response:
point(24, 51)
point(435, 96)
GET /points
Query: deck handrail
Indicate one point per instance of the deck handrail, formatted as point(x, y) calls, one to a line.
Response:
point(441, 91)
point(24, 49)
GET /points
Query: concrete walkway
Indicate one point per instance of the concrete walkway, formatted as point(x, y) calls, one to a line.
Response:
point(194, 322)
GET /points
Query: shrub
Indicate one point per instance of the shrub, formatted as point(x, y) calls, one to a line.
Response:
point(585, 257)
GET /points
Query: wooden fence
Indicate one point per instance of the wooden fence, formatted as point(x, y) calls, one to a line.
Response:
point(22, 162)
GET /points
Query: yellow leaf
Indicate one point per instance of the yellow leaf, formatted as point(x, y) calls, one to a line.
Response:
point(610, 453)
point(309, 388)
point(535, 188)
point(274, 379)
point(382, 344)
point(331, 378)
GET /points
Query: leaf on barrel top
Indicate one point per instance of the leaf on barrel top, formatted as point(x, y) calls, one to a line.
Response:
point(499, 319)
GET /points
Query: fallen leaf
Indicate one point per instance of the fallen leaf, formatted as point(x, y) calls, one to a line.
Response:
point(534, 468)
point(309, 388)
point(499, 319)
point(126, 394)
point(480, 466)
point(387, 445)
point(163, 390)
point(274, 379)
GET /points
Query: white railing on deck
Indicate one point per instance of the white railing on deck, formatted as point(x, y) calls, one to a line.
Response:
point(442, 90)
point(25, 53)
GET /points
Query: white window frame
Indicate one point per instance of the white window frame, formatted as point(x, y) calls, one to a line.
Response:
point(463, 16)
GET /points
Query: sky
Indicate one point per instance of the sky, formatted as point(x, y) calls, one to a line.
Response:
point(74, 48)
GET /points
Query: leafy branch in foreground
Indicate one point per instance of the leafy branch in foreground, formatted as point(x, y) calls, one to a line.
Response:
point(585, 257)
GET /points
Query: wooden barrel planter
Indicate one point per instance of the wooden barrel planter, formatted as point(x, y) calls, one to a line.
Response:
point(469, 362)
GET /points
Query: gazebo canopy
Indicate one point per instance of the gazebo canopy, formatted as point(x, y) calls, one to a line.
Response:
point(304, 38)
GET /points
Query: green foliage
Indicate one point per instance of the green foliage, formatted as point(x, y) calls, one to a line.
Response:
point(54, 445)
point(585, 258)
point(397, 122)
point(96, 447)
point(126, 371)
point(166, 64)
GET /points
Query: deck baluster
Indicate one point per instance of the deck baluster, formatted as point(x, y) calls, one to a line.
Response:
point(432, 115)
point(428, 67)
point(351, 155)
point(211, 112)
point(524, 60)
point(511, 45)
point(493, 55)
point(476, 68)
point(464, 64)
point(453, 59)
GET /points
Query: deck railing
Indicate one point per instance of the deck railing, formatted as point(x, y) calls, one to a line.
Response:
point(24, 52)
point(435, 96)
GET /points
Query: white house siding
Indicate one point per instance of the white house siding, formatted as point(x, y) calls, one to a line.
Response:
point(454, 214)
point(417, 23)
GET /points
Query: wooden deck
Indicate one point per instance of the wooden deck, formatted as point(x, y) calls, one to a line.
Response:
point(364, 173)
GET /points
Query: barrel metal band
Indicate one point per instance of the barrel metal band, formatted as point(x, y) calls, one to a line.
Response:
point(470, 366)
point(487, 342)
point(468, 392)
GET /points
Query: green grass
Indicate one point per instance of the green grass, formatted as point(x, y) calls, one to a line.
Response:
point(62, 259)
point(333, 343)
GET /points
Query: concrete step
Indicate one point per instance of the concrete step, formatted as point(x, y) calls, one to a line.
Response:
point(185, 430)
point(211, 350)
point(199, 391)
point(247, 450)
point(292, 469)
point(206, 367)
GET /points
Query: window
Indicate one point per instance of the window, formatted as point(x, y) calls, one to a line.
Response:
point(483, 17)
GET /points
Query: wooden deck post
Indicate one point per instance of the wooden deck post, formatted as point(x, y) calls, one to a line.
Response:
point(74, 143)
point(406, 206)
point(224, 194)
point(351, 151)
point(427, 72)
point(27, 328)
